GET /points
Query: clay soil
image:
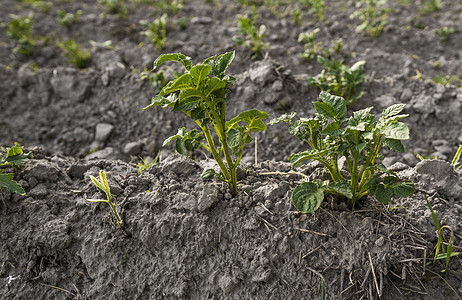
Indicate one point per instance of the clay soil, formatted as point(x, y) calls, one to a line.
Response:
point(185, 238)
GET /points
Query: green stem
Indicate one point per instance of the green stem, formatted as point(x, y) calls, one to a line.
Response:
point(119, 220)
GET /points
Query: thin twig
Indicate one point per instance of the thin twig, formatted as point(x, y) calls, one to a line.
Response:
point(373, 274)
point(311, 231)
point(58, 288)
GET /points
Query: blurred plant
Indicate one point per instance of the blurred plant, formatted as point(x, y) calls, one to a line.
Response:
point(156, 79)
point(81, 58)
point(115, 7)
point(431, 5)
point(447, 80)
point(373, 15)
point(340, 80)
point(296, 16)
point(317, 7)
point(359, 138)
point(144, 164)
point(20, 30)
point(169, 6)
point(68, 19)
point(14, 158)
point(156, 32)
point(441, 252)
point(444, 33)
point(311, 48)
point(42, 6)
point(104, 186)
point(250, 35)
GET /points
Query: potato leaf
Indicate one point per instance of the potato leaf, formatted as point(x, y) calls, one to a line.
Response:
point(6, 181)
point(307, 197)
point(176, 57)
point(253, 118)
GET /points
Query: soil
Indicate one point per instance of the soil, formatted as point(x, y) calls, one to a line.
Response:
point(185, 238)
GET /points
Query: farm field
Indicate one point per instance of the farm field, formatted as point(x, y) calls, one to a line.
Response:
point(76, 75)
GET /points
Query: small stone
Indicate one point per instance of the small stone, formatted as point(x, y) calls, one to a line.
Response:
point(380, 241)
point(133, 148)
point(201, 20)
point(210, 196)
point(261, 72)
point(103, 131)
point(106, 153)
point(116, 69)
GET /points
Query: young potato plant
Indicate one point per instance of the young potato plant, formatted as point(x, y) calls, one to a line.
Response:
point(104, 186)
point(156, 32)
point(68, 19)
point(373, 15)
point(311, 48)
point(200, 93)
point(340, 80)
point(77, 56)
point(14, 158)
point(359, 138)
point(250, 35)
point(317, 7)
point(20, 30)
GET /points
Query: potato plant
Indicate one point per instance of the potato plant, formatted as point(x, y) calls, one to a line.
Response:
point(156, 31)
point(20, 30)
point(200, 93)
point(74, 53)
point(14, 158)
point(250, 35)
point(373, 15)
point(359, 138)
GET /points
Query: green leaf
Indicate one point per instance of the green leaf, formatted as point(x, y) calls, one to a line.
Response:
point(383, 194)
point(6, 181)
point(394, 145)
point(341, 188)
point(253, 118)
point(331, 106)
point(199, 73)
point(208, 174)
point(198, 113)
point(404, 189)
point(176, 57)
point(213, 85)
point(15, 156)
point(392, 110)
point(179, 146)
point(181, 83)
point(357, 65)
point(286, 118)
point(234, 138)
point(161, 101)
point(179, 135)
point(397, 131)
point(307, 197)
point(187, 100)
point(223, 62)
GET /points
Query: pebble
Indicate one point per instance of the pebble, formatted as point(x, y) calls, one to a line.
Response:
point(103, 131)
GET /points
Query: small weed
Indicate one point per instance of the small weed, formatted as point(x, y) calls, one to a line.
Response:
point(20, 30)
point(115, 7)
point(447, 80)
point(15, 157)
point(200, 93)
point(317, 7)
point(373, 15)
point(145, 165)
point(250, 34)
point(441, 252)
point(358, 139)
point(340, 80)
point(455, 161)
point(156, 32)
point(444, 33)
point(81, 58)
point(104, 186)
point(68, 19)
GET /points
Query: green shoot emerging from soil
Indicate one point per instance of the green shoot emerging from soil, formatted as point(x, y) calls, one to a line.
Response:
point(446, 253)
point(250, 35)
point(200, 93)
point(339, 79)
point(14, 158)
point(358, 139)
point(104, 186)
point(156, 32)
point(77, 56)
point(20, 30)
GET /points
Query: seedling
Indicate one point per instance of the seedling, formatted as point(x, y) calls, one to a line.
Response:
point(169, 6)
point(81, 58)
point(317, 7)
point(250, 34)
point(200, 93)
point(156, 32)
point(358, 139)
point(68, 19)
point(144, 165)
point(431, 6)
point(20, 30)
point(43, 6)
point(115, 7)
point(455, 161)
point(373, 15)
point(444, 33)
point(340, 80)
point(311, 48)
point(446, 253)
point(104, 186)
point(447, 80)
point(14, 158)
